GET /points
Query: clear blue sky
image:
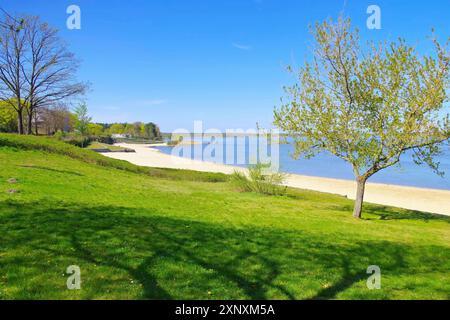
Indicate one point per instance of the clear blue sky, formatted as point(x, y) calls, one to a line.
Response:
point(223, 62)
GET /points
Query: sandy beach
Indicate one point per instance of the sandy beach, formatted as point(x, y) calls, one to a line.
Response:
point(422, 199)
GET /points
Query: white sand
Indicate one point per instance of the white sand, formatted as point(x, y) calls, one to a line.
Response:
point(427, 200)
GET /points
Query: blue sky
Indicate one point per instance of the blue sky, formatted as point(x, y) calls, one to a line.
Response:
point(222, 62)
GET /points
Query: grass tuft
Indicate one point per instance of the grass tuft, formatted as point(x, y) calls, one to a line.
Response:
point(257, 181)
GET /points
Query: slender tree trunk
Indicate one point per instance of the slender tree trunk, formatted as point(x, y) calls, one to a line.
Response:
point(361, 185)
point(36, 128)
point(30, 122)
point(20, 121)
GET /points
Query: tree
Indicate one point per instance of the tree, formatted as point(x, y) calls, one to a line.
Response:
point(117, 128)
point(8, 118)
point(83, 119)
point(152, 131)
point(36, 68)
point(129, 129)
point(12, 59)
point(95, 129)
point(369, 106)
point(137, 129)
point(50, 76)
point(57, 118)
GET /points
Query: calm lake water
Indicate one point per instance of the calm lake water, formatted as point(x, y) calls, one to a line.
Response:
point(323, 165)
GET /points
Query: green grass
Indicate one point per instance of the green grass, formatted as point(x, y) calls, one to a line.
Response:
point(139, 235)
point(51, 145)
point(98, 145)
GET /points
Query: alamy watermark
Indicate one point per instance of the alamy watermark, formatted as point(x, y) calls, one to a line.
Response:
point(374, 20)
point(374, 280)
point(73, 22)
point(74, 280)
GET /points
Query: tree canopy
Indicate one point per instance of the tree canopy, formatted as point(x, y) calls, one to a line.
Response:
point(368, 105)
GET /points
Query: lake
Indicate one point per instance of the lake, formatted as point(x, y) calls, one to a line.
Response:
point(242, 151)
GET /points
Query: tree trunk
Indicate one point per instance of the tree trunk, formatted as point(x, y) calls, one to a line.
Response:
point(20, 122)
point(30, 122)
point(36, 128)
point(361, 184)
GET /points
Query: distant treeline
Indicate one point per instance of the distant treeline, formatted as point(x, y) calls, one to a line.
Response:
point(137, 130)
point(49, 121)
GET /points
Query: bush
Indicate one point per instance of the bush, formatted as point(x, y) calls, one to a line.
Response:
point(78, 141)
point(257, 181)
point(103, 139)
point(106, 139)
point(173, 143)
point(73, 138)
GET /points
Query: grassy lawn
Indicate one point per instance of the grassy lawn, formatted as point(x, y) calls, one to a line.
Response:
point(140, 233)
point(104, 146)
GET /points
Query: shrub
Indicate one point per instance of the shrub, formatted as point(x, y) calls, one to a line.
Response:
point(73, 139)
point(257, 181)
point(78, 141)
point(103, 139)
point(173, 143)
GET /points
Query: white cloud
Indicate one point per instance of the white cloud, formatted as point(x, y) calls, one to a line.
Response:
point(241, 46)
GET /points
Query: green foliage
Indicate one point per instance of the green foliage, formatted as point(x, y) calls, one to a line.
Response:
point(51, 145)
point(257, 181)
point(117, 128)
point(368, 106)
point(8, 118)
point(94, 129)
point(136, 236)
point(104, 146)
point(148, 131)
point(83, 119)
point(73, 138)
point(173, 142)
point(152, 132)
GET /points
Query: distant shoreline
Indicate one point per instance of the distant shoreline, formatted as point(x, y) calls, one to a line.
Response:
point(413, 198)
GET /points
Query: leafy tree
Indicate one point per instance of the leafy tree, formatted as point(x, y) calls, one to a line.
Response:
point(151, 131)
point(137, 129)
point(95, 129)
point(8, 118)
point(129, 129)
point(117, 128)
point(368, 106)
point(83, 119)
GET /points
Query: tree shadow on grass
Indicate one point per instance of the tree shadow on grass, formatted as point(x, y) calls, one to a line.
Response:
point(392, 213)
point(51, 170)
point(176, 258)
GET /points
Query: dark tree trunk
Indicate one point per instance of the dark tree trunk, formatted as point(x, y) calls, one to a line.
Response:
point(36, 128)
point(20, 122)
point(30, 122)
point(361, 185)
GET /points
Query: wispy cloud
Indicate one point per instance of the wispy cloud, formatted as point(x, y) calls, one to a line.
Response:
point(241, 46)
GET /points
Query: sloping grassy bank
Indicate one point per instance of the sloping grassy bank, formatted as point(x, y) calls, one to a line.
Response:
point(51, 145)
point(139, 235)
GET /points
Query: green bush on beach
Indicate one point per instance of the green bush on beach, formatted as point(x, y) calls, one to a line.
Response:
point(257, 181)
